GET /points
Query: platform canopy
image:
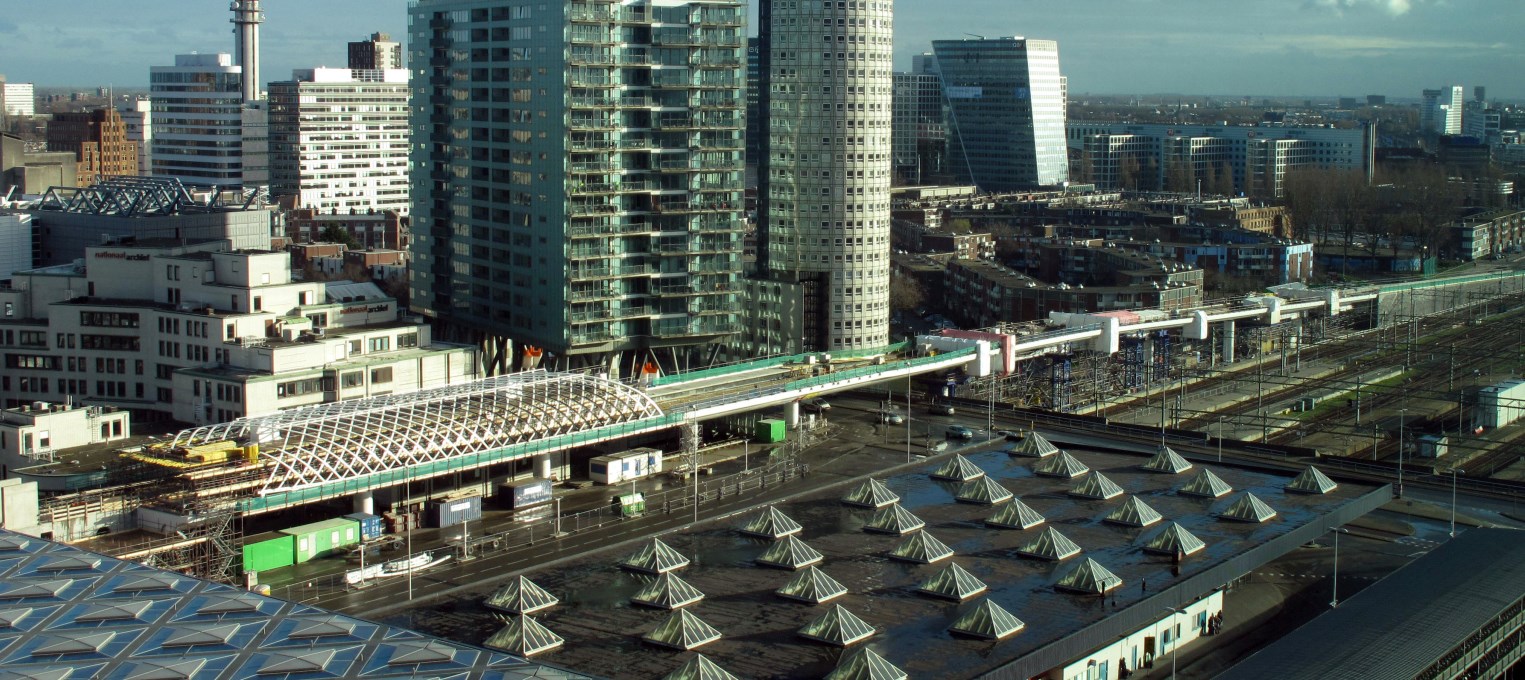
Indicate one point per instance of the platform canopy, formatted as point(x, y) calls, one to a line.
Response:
point(1167, 461)
point(864, 664)
point(521, 596)
point(893, 519)
point(872, 493)
point(1034, 445)
point(524, 636)
point(1015, 515)
point(1312, 480)
point(1063, 465)
point(922, 548)
point(668, 591)
point(987, 620)
point(1207, 485)
point(771, 523)
point(837, 627)
point(315, 445)
point(812, 585)
point(958, 469)
point(790, 553)
point(699, 667)
point(1096, 487)
point(683, 629)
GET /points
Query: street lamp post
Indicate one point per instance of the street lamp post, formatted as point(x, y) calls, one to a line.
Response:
point(1220, 439)
point(1402, 413)
point(1175, 639)
point(1334, 597)
point(1453, 500)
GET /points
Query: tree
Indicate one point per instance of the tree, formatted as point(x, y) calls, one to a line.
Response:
point(1222, 183)
point(906, 294)
point(334, 233)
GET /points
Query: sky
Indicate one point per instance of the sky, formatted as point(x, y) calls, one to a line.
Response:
point(1287, 48)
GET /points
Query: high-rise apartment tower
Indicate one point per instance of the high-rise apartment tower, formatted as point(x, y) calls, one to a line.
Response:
point(379, 52)
point(339, 139)
point(825, 175)
point(577, 175)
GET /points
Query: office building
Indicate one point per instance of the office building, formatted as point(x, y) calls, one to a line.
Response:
point(1441, 111)
point(824, 199)
point(198, 122)
point(1005, 112)
point(379, 53)
point(919, 135)
point(138, 121)
point(1255, 159)
point(17, 244)
point(20, 99)
point(339, 139)
point(578, 175)
point(755, 120)
point(254, 148)
point(98, 139)
point(201, 333)
point(1376, 100)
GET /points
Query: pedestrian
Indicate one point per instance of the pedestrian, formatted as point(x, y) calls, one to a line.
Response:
point(1143, 586)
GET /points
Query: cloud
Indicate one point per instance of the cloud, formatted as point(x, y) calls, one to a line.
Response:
point(1393, 7)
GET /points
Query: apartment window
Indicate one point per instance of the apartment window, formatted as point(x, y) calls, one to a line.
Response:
point(381, 344)
point(381, 375)
point(259, 304)
point(352, 379)
point(405, 340)
point(354, 347)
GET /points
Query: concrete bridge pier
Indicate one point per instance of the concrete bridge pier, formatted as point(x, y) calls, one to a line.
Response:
point(543, 466)
point(365, 502)
point(792, 415)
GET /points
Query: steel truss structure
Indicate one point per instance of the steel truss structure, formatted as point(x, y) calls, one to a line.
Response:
point(124, 196)
point(315, 445)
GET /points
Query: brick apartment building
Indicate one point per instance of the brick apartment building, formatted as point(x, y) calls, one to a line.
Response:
point(98, 140)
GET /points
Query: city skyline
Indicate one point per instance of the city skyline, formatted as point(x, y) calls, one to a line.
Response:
point(1287, 48)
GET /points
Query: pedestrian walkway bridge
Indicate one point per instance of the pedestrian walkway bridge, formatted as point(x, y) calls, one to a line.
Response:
point(352, 448)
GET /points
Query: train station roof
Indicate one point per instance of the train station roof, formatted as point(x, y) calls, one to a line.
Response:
point(315, 445)
point(95, 616)
point(1428, 619)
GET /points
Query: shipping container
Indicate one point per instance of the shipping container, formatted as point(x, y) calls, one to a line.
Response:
point(268, 551)
point(625, 466)
point(320, 539)
point(770, 431)
point(450, 512)
point(526, 493)
point(370, 525)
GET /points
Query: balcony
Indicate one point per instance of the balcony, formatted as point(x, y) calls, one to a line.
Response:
point(593, 123)
point(591, 38)
point(597, 273)
point(591, 144)
point(580, 231)
point(596, 337)
point(602, 315)
point(594, 294)
point(590, 15)
point(585, 102)
point(591, 208)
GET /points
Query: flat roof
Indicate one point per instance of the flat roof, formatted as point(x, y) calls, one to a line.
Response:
point(602, 628)
point(1400, 626)
point(72, 613)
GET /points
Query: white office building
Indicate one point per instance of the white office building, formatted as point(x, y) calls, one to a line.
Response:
point(197, 109)
point(825, 178)
point(1441, 111)
point(20, 99)
point(339, 139)
point(201, 333)
point(138, 118)
point(1156, 156)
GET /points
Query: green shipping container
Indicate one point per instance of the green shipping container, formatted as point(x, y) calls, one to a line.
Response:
point(770, 430)
point(268, 551)
point(320, 539)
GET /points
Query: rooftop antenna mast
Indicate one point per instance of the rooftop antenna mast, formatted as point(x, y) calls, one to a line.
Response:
point(246, 20)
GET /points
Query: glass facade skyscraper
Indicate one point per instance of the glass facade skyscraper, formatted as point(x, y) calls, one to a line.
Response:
point(1005, 112)
point(825, 176)
point(577, 173)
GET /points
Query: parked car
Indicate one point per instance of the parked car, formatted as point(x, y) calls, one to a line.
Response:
point(941, 408)
point(958, 432)
point(1012, 435)
point(818, 405)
